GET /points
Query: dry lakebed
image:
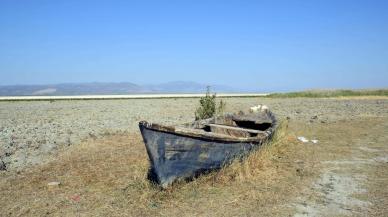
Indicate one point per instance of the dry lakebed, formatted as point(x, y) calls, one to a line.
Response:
point(92, 151)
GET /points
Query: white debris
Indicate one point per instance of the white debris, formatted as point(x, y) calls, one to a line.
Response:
point(259, 108)
point(53, 184)
point(303, 139)
point(254, 109)
point(264, 108)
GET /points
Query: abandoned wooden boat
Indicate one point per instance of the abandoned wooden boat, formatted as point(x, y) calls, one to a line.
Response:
point(185, 151)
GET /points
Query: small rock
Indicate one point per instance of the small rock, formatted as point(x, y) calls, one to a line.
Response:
point(259, 108)
point(300, 172)
point(3, 167)
point(53, 184)
point(314, 141)
point(92, 136)
point(314, 117)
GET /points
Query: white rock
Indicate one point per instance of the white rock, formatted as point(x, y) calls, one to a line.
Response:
point(255, 109)
point(264, 108)
point(303, 139)
point(314, 141)
point(259, 108)
point(53, 184)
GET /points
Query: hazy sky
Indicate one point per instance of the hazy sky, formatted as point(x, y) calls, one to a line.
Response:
point(269, 45)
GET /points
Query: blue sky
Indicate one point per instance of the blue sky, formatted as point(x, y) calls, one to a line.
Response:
point(264, 45)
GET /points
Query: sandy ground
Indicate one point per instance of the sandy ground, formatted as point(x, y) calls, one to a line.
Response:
point(344, 174)
point(353, 168)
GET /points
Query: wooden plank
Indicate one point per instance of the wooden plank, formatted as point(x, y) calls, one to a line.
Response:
point(186, 131)
point(230, 132)
point(234, 128)
point(257, 119)
point(202, 133)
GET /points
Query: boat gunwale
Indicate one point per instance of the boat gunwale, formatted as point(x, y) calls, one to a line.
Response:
point(210, 136)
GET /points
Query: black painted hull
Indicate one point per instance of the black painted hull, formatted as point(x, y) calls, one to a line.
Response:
point(175, 156)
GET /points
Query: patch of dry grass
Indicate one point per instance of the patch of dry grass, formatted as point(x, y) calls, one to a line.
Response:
point(248, 168)
point(107, 177)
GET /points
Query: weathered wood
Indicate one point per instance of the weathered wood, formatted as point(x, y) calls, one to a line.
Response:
point(199, 133)
point(185, 151)
point(228, 131)
point(174, 157)
point(196, 132)
point(257, 119)
point(234, 128)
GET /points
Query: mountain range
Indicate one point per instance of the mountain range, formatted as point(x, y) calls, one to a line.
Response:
point(105, 88)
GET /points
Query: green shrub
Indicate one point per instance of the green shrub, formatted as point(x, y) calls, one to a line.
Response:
point(208, 106)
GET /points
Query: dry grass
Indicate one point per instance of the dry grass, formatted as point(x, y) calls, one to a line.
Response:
point(246, 169)
point(107, 176)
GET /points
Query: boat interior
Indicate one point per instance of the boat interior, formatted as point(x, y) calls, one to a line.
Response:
point(241, 126)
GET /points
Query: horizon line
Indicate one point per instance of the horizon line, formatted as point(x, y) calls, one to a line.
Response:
point(126, 96)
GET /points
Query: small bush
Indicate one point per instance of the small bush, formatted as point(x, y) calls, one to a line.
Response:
point(208, 106)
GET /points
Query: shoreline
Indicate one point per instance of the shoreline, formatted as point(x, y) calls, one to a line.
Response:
point(129, 96)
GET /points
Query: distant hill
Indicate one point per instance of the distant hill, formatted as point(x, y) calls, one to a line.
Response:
point(98, 88)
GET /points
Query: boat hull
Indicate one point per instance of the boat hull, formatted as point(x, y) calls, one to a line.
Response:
point(173, 156)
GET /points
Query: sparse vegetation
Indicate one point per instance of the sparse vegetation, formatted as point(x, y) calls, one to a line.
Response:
point(208, 106)
point(330, 93)
point(107, 176)
point(106, 171)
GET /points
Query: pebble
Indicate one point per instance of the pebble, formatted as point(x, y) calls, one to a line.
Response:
point(3, 167)
point(53, 184)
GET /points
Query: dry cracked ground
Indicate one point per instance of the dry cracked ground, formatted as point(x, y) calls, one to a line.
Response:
point(93, 148)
